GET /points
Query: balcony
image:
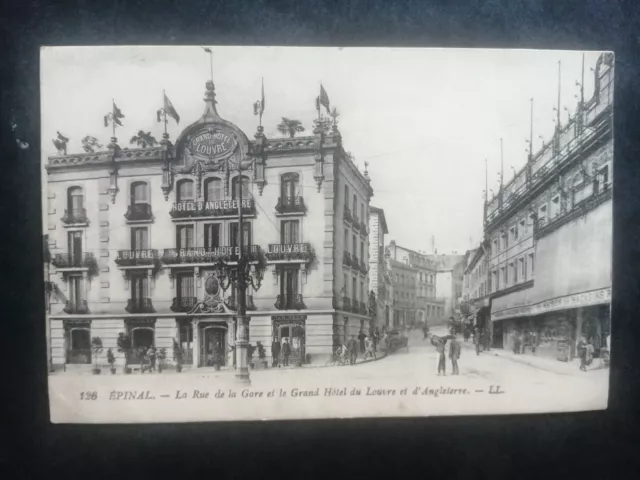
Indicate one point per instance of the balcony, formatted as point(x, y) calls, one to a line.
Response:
point(139, 305)
point(290, 302)
point(290, 252)
point(363, 309)
point(347, 215)
point(183, 304)
point(356, 223)
point(72, 261)
point(346, 304)
point(77, 308)
point(364, 230)
point(355, 263)
point(138, 212)
point(200, 255)
point(75, 216)
point(364, 268)
point(290, 205)
point(133, 258)
point(216, 208)
point(346, 259)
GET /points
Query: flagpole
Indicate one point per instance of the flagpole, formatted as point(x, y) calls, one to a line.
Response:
point(262, 101)
point(164, 110)
point(211, 62)
point(319, 100)
point(113, 112)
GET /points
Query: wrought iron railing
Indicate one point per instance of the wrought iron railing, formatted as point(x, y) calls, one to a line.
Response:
point(183, 304)
point(73, 260)
point(347, 215)
point(127, 258)
point(74, 215)
point(291, 205)
point(139, 305)
point(346, 259)
point(290, 251)
point(79, 307)
point(355, 223)
point(138, 211)
point(290, 302)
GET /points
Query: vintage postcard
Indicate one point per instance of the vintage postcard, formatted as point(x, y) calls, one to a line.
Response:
point(239, 233)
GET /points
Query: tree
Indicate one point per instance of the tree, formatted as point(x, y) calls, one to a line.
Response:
point(90, 144)
point(143, 139)
point(290, 126)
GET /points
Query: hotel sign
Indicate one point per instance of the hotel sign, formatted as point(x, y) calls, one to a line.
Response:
point(202, 254)
point(586, 299)
point(214, 208)
point(210, 145)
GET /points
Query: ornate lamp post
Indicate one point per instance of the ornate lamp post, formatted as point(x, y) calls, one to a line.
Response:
point(241, 276)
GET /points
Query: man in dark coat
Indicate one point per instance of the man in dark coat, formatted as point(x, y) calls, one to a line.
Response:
point(361, 338)
point(454, 354)
point(352, 349)
point(476, 340)
point(275, 353)
point(286, 351)
point(440, 343)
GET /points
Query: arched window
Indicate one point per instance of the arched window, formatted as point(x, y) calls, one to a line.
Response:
point(213, 189)
point(139, 193)
point(245, 188)
point(185, 190)
point(75, 200)
point(290, 186)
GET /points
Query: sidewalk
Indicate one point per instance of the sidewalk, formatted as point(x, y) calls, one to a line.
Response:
point(551, 365)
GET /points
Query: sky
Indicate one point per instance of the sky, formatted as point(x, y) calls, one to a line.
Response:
point(424, 120)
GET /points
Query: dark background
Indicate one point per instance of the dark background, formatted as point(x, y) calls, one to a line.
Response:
point(588, 445)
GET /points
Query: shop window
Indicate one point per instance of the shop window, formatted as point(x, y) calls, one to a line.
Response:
point(213, 189)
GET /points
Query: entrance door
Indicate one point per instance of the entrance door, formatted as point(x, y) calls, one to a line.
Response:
point(79, 346)
point(295, 335)
point(498, 340)
point(211, 338)
point(142, 340)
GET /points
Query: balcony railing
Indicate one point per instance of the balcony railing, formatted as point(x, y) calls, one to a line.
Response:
point(364, 230)
point(139, 305)
point(346, 259)
point(73, 260)
point(364, 268)
point(290, 251)
point(75, 215)
point(355, 223)
point(355, 263)
point(291, 205)
point(128, 258)
point(290, 302)
point(347, 215)
point(183, 304)
point(363, 309)
point(172, 256)
point(78, 308)
point(138, 211)
point(215, 208)
point(346, 304)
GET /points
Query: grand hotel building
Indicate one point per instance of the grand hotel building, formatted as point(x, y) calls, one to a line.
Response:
point(548, 246)
point(134, 235)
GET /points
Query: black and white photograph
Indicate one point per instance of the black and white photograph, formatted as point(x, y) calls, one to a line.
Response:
point(277, 233)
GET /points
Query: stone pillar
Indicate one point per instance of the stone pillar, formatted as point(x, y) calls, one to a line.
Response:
point(196, 341)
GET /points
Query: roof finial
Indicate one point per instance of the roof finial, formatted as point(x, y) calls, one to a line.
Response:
point(210, 100)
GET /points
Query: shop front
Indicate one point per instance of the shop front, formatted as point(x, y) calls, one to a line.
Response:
point(212, 343)
point(142, 334)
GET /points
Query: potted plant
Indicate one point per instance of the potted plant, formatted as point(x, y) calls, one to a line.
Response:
point(124, 346)
point(262, 355)
point(112, 360)
point(177, 355)
point(161, 356)
point(96, 348)
point(250, 350)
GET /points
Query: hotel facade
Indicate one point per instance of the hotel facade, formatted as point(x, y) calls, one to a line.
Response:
point(135, 237)
point(548, 236)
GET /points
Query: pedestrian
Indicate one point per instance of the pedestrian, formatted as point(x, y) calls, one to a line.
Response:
point(534, 341)
point(516, 343)
point(352, 349)
point(286, 351)
point(440, 344)
point(476, 340)
point(487, 339)
point(361, 338)
point(582, 353)
point(454, 354)
point(590, 351)
point(152, 358)
point(275, 353)
point(425, 330)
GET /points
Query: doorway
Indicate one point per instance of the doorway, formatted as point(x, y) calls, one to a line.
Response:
point(141, 340)
point(498, 339)
point(295, 335)
point(212, 342)
point(79, 346)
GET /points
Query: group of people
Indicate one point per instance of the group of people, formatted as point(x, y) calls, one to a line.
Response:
point(280, 352)
point(366, 345)
point(523, 340)
point(454, 352)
